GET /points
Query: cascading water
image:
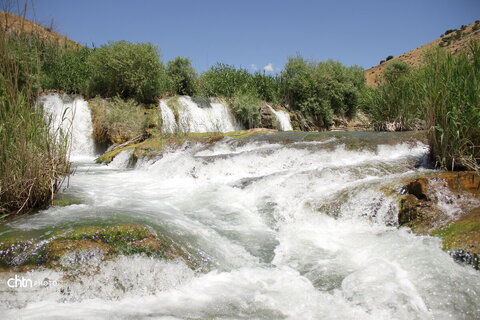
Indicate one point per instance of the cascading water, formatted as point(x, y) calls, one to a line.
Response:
point(169, 124)
point(283, 119)
point(72, 116)
point(297, 230)
point(213, 117)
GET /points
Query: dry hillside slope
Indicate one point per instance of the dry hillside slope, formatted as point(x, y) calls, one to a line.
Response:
point(10, 22)
point(455, 41)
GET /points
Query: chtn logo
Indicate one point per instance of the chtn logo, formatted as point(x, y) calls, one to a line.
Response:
point(19, 282)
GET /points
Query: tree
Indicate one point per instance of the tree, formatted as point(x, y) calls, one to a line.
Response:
point(126, 69)
point(181, 76)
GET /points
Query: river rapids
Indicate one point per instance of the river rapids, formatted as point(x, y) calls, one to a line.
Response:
point(286, 229)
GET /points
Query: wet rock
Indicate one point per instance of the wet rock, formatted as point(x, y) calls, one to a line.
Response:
point(466, 257)
point(446, 205)
point(90, 246)
point(268, 120)
point(418, 188)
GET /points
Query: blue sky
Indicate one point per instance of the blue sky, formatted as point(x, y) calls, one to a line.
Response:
point(261, 34)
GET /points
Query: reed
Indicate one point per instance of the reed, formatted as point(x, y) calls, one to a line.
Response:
point(451, 97)
point(33, 158)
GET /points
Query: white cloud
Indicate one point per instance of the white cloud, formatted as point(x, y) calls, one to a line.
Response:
point(253, 67)
point(268, 67)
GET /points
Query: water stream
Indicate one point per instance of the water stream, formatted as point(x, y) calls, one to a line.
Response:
point(286, 230)
point(202, 115)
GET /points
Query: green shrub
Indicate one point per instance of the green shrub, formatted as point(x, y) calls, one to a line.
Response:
point(394, 70)
point(392, 106)
point(181, 77)
point(388, 58)
point(322, 89)
point(66, 70)
point(128, 70)
point(267, 87)
point(247, 109)
point(222, 80)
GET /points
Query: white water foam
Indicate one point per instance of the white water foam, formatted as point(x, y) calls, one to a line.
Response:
point(216, 117)
point(283, 119)
point(291, 231)
point(72, 116)
point(169, 124)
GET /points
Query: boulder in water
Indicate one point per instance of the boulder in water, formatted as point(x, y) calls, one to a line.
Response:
point(90, 246)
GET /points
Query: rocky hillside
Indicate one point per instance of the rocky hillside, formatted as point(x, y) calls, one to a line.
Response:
point(455, 40)
point(10, 22)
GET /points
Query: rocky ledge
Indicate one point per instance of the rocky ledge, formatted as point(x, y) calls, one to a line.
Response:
point(90, 245)
point(446, 205)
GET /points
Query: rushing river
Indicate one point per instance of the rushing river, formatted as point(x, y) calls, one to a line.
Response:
point(286, 229)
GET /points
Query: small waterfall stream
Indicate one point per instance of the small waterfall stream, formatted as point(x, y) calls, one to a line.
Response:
point(192, 117)
point(283, 119)
point(288, 229)
point(71, 115)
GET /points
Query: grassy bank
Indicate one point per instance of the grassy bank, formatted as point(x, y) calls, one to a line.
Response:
point(443, 95)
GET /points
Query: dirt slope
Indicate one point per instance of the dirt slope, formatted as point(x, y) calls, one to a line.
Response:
point(455, 42)
point(11, 22)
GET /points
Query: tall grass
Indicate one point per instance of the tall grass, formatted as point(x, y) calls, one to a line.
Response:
point(451, 97)
point(117, 120)
point(33, 159)
point(247, 108)
point(394, 104)
point(445, 92)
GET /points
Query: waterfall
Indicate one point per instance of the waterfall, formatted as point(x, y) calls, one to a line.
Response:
point(71, 115)
point(211, 117)
point(283, 118)
point(169, 124)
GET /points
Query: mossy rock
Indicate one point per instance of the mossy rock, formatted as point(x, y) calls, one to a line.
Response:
point(72, 249)
point(153, 146)
point(16, 252)
point(64, 200)
point(462, 234)
point(419, 210)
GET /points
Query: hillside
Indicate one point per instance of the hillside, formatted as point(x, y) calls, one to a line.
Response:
point(10, 22)
point(455, 41)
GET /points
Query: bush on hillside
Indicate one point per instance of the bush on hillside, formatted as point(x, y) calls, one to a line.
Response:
point(128, 70)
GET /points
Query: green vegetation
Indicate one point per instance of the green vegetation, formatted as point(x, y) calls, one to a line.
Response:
point(126, 69)
point(225, 81)
point(247, 108)
point(321, 89)
point(65, 69)
point(181, 77)
point(32, 157)
point(450, 96)
point(444, 92)
point(117, 120)
point(104, 241)
point(391, 106)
